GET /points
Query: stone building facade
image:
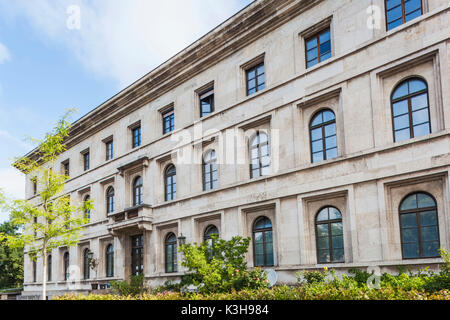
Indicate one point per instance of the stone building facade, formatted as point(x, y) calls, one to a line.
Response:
point(316, 127)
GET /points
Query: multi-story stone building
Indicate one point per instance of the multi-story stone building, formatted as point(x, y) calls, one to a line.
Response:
point(318, 128)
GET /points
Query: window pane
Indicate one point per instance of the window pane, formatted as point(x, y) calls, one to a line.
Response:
point(312, 63)
point(421, 130)
point(400, 107)
point(328, 116)
point(411, 250)
point(325, 47)
point(311, 54)
point(334, 213)
point(323, 255)
point(392, 3)
point(416, 85)
point(336, 229)
point(402, 135)
point(394, 13)
point(252, 84)
point(322, 243)
point(261, 79)
point(410, 235)
point(420, 116)
point(409, 203)
point(401, 91)
point(430, 249)
point(425, 201)
point(322, 230)
point(332, 153)
point(318, 119)
point(338, 255)
point(316, 134)
point(325, 36)
point(408, 220)
point(330, 130)
point(251, 74)
point(394, 24)
point(260, 70)
point(401, 122)
point(311, 44)
point(323, 215)
point(337, 242)
point(412, 15)
point(317, 146)
point(419, 102)
point(331, 142)
point(261, 86)
point(429, 233)
point(317, 157)
point(428, 218)
point(412, 5)
point(325, 56)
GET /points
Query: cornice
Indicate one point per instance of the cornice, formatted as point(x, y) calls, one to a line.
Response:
point(245, 27)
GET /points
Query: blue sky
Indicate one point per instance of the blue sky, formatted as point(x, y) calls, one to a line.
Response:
point(46, 66)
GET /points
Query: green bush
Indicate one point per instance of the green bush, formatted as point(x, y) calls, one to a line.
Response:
point(219, 266)
point(133, 287)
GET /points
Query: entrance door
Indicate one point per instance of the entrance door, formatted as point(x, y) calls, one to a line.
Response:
point(137, 255)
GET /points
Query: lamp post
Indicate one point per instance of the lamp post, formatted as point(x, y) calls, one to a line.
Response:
point(182, 239)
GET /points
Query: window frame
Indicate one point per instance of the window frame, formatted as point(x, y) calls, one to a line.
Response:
point(170, 112)
point(263, 231)
point(109, 259)
point(86, 160)
point(403, 18)
point(212, 163)
point(87, 213)
point(49, 267)
point(136, 137)
point(324, 137)
point(109, 147)
point(66, 259)
point(207, 94)
point(258, 147)
point(138, 187)
point(330, 245)
point(110, 193)
point(137, 253)
point(408, 97)
point(174, 248)
point(416, 211)
point(254, 67)
point(86, 266)
point(317, 35)
point(173, 193)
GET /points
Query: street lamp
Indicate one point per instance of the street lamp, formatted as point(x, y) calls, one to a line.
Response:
point(182, 239)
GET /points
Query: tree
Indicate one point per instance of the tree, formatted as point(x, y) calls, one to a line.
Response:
point(53, 221)
point(11, 260)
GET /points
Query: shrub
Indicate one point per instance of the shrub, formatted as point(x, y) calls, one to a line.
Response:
point(311, 277)
point(133, 287)
point(220, 266)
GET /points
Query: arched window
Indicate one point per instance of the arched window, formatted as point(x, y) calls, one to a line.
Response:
point(49, 267)
point(171, 253)
point(410, 110)
point(86, 267)
point(323, 136)
point(263, 242)
point(170, 179)
point(259, 155)
point(137, 191)
point(419, 226)
point(110, 261)
point(210, 176)
point(66, 265)
point(87, 212)
point(110, 200)
point(210, 230)
point(329, 236)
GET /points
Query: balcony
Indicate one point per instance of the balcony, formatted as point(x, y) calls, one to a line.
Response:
point(131, 219)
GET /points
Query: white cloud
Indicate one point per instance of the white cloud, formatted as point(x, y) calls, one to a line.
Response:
point(126, 39)
point(4, 53)
point(12, 182)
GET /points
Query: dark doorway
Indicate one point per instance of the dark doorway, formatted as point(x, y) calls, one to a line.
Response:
point(137, 255)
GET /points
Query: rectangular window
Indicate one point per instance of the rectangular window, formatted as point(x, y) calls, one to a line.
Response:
point(66, 168)
point(399, 12)
point(168, 121)
point(137, 255)
point(86, 161)
point(34, 181)
point(318, 48)
point(256, 78)
point(136, 137)
point(206, 102)
point(109, 150)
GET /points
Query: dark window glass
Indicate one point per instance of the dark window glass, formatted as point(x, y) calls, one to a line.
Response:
point(402, 11)
point(206, 102)
point(263, 242)
point(410, 110)
point(66, 265)
point(419, 227)
point(109, 150)
point(66, 168)
point(110, 200)
point(86, 161)
point(34, 271)
point(171, 253)
point(256, 79)
point(86, 267)
point(168, 121)
point(170, 179)
point(87, 213)
point(136, 137)
point(137, 255)
point(49, 267)
point(329, 236)
point(318, 48)
point(137, 191)
point(210, 230)
point(110, 261)
point(323, 136)
point(259, 155)
point(210, 173)
point(34, 181)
